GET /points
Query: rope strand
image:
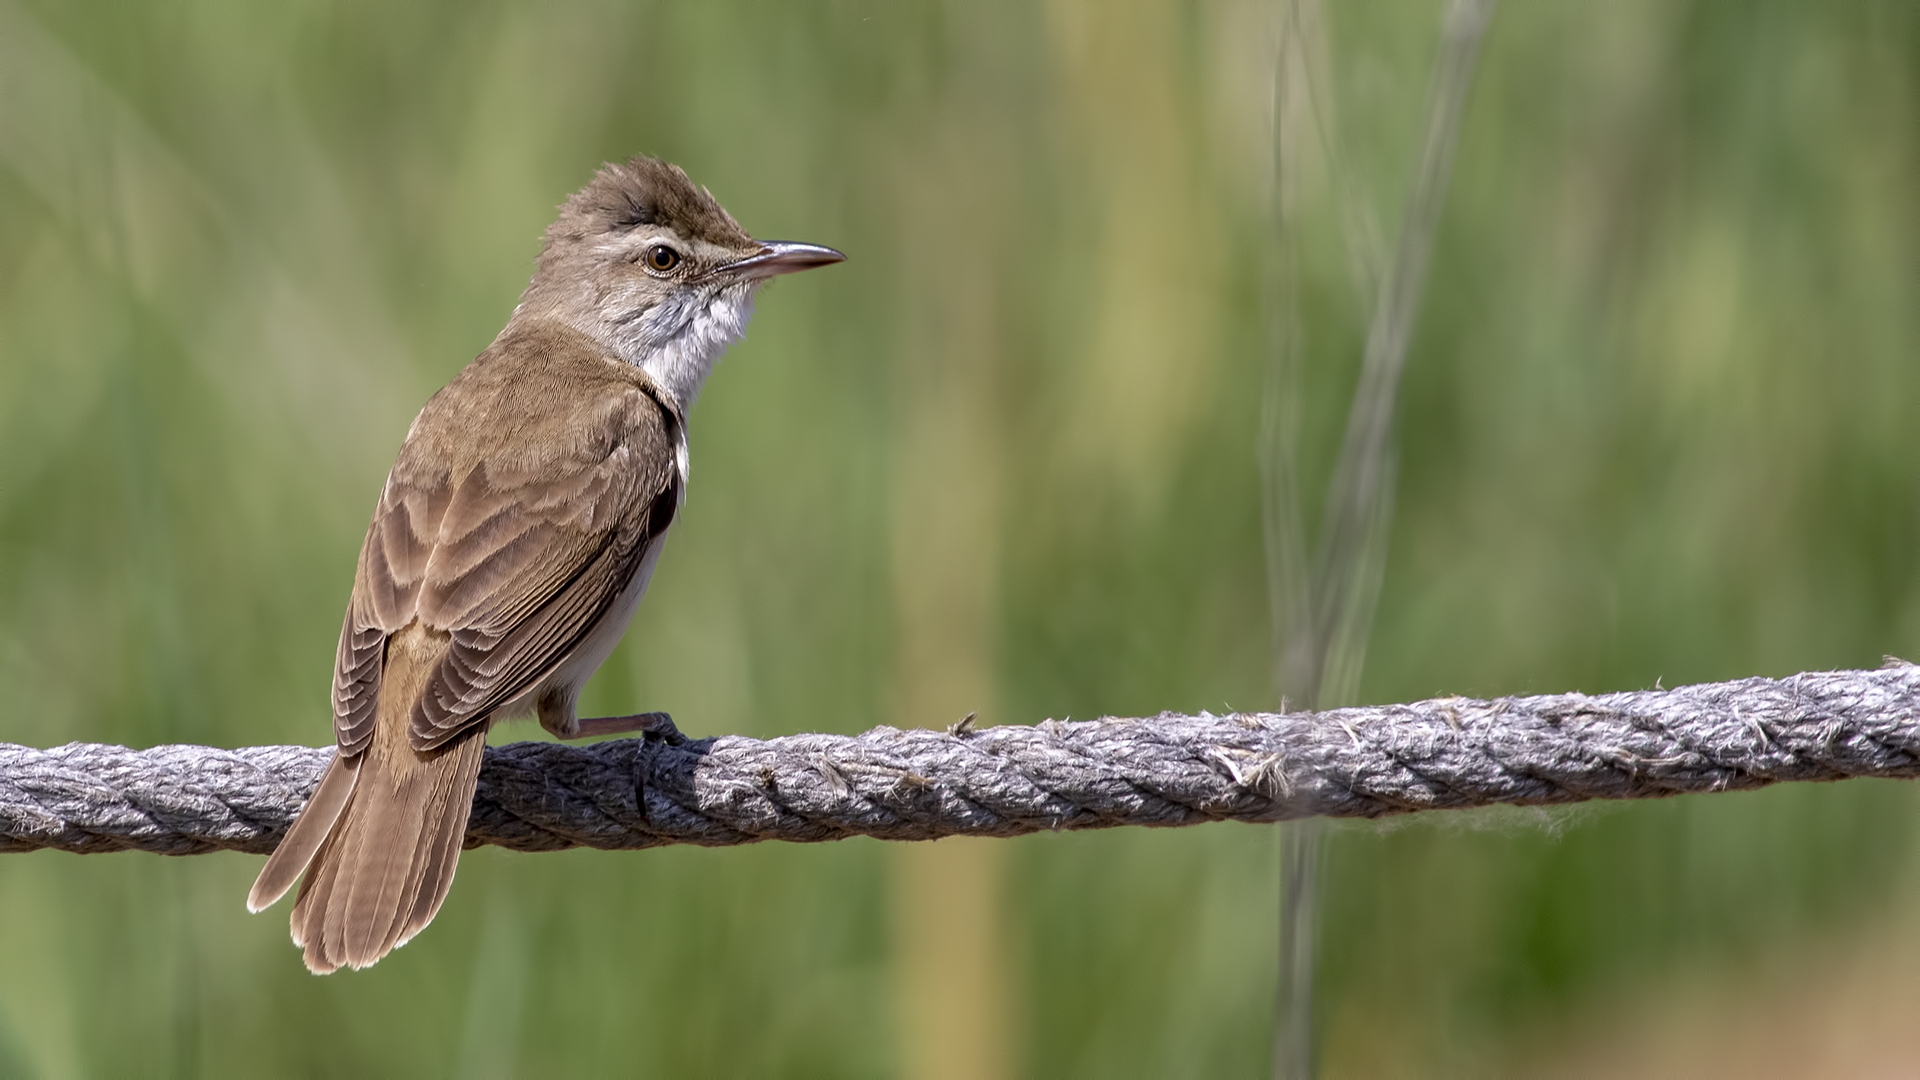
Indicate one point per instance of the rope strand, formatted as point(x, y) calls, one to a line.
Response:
point(1168, 770)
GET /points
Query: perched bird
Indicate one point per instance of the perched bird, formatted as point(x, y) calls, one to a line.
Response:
point(512, 543)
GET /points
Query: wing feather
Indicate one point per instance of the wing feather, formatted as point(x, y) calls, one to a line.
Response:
point(356, 680)
point(516, 556)
point(483, 671)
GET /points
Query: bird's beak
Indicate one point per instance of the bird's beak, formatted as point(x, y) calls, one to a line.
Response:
point(781, 257)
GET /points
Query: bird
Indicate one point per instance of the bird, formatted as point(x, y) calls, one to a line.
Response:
point(512, 543)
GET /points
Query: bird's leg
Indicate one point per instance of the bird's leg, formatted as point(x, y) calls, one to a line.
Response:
point(555, 710)
point(658, 724)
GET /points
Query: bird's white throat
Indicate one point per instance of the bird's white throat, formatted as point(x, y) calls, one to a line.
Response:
point(678, 340)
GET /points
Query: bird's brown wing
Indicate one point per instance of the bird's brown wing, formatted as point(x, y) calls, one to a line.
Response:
point(386, 586)
point(527, 566)
point(516, 562)
point(508, 567)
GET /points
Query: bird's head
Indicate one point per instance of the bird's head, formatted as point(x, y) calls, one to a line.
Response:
point(649, 264)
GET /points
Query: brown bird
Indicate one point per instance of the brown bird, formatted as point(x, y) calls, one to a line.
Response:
point(512, 543)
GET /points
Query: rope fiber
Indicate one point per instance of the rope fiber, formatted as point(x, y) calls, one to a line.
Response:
point(1168, 770)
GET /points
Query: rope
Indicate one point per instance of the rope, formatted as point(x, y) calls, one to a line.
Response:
point(1168, 770)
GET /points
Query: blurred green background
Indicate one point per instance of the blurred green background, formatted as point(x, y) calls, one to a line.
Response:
point(1658, 425)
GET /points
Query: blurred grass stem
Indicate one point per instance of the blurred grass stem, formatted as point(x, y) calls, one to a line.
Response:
point(1323, 610)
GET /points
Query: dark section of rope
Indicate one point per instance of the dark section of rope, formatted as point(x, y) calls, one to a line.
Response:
point(1448, 753)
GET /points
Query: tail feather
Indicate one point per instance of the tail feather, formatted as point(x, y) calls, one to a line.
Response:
point(318, 884)
point(384, 873)
point(308, 834)
point(381, 834)
point(442, 842)
point(381, 837)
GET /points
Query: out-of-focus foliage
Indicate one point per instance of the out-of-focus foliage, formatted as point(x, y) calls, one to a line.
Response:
point(1658, 425)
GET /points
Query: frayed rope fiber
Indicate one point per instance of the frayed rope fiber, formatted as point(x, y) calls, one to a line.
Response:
point(1444, 754)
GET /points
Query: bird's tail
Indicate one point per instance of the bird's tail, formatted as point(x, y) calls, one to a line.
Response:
point(380, 838)
point(309, 831)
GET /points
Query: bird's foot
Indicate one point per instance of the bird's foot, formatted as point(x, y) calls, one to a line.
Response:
point(656, 724)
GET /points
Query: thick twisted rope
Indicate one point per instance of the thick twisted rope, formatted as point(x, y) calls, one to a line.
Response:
point(1448, 753)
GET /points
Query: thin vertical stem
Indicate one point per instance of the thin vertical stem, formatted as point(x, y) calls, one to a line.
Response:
point(1299, 882)
point(1323, 613)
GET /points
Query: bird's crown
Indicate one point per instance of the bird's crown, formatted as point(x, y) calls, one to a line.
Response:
point(645, 191)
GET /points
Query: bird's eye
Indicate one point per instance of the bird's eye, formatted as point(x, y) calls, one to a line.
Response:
point(661, 258)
